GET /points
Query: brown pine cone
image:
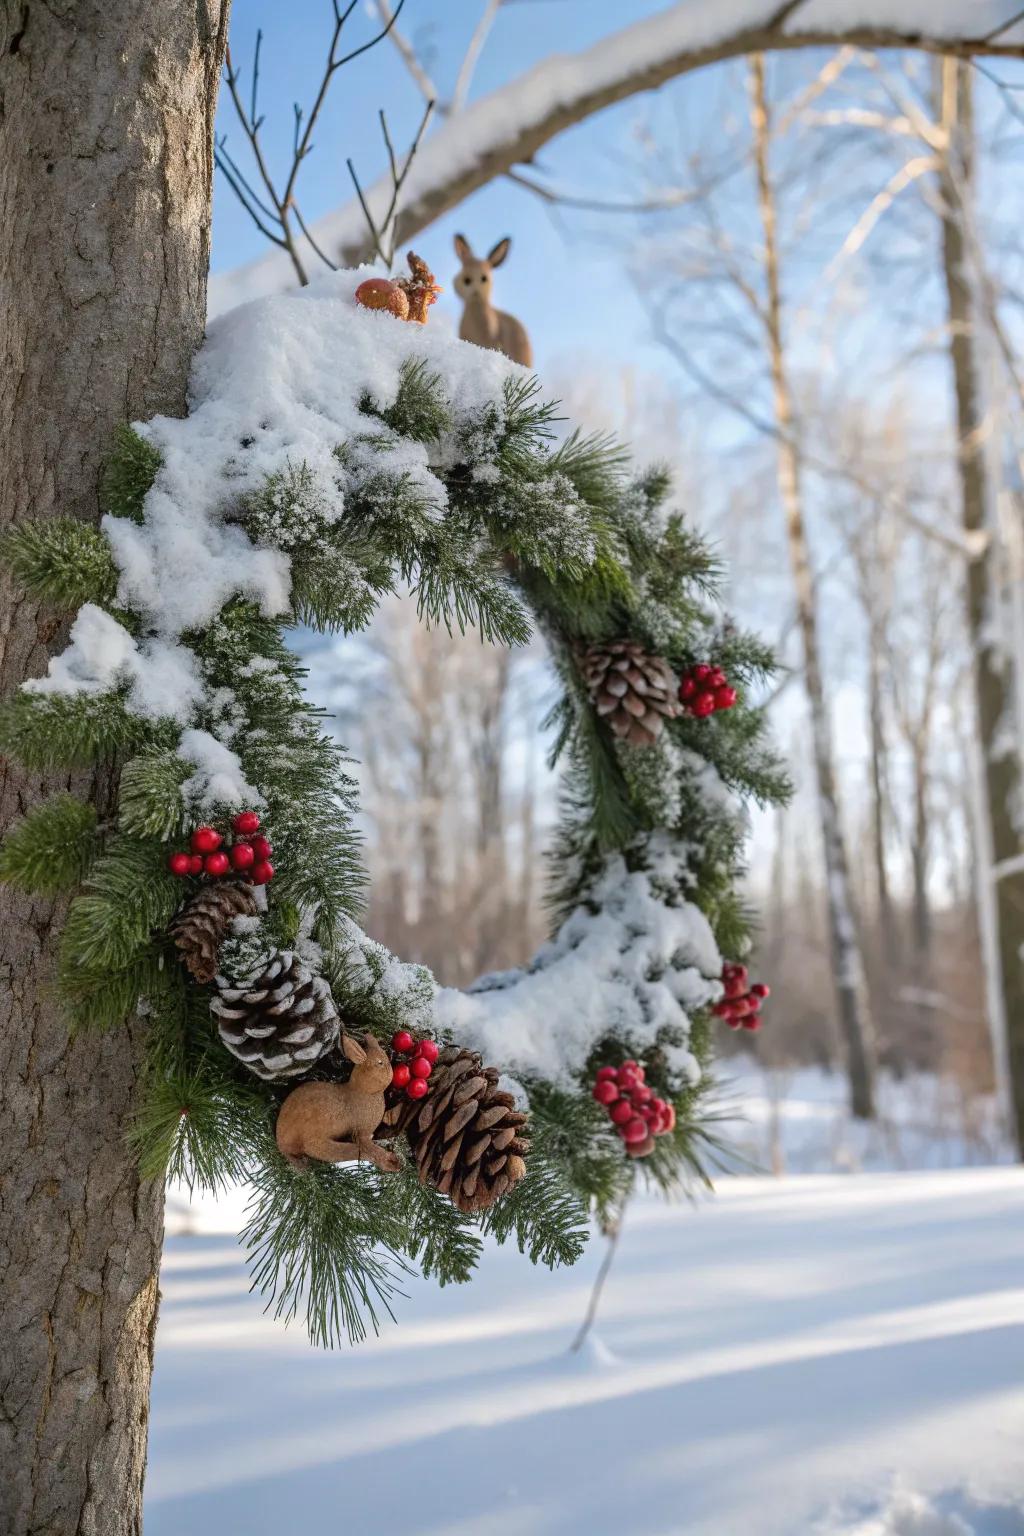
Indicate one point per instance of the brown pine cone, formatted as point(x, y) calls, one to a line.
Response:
point(466, 1136)
point(278, 1021)
point(201, 926)
point(635, 692)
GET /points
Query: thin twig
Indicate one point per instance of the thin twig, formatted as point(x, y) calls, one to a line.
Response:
point(599, 1283)
point(282, 204)
point(300, 221)
point(598, 205)
point(385, 238)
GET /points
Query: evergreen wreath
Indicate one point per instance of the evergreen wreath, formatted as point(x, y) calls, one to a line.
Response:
point(332, 455)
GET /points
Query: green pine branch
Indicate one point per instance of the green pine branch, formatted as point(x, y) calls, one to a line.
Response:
point(61, 561)
point(52, 848)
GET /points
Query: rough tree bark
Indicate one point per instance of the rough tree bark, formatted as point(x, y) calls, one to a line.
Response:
point(106, 119)
point(993, 671)
point(847, 965)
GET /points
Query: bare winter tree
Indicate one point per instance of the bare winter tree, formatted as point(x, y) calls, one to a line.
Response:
point(847, 965)
point(106, 145)
point(994, 683)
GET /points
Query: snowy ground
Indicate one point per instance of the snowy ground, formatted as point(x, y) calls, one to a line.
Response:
point(838, 1355)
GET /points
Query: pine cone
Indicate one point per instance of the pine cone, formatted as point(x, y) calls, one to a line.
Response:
point(280, 1021)
point(466, 1136)
point(636, 693)
point(201, 926)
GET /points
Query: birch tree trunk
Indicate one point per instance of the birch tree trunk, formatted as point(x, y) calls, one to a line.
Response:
point(847, 964)
point(999, 746)
point(106, 118)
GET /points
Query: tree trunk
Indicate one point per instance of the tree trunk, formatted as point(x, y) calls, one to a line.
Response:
point(106, 119)
point(993, 671)
point(879, 801)
point(847, 965)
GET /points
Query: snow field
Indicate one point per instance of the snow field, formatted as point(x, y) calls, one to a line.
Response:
point(792, 1356)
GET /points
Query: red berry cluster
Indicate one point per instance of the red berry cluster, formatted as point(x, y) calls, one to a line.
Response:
point(248, 855)
point(412, 1074)
point(633, 1108)
point(705, 690)
point(741, 1005)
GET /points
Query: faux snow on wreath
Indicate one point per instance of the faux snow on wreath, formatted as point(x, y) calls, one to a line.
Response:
point(335, 453)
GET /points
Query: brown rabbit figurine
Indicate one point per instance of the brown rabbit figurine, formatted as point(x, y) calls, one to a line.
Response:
point(335, 1122)
point(481, 322)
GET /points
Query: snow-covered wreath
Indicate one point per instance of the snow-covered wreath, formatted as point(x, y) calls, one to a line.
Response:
point(333, 455)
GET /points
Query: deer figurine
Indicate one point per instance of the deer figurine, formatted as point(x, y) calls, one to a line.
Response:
point(481, 322)
point(335, 1122)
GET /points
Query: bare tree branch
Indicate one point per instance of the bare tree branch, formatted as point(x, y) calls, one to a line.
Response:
point(471, 57)
point(413, 63)
point(453, 180)
point(384, 241)
point(282, 204)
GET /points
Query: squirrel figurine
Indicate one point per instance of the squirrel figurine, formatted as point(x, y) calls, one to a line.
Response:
point(335, 1122)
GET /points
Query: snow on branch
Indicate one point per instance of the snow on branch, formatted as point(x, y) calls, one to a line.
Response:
point(511, 125)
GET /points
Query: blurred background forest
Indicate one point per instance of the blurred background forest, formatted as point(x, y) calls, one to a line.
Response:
point(798, 282)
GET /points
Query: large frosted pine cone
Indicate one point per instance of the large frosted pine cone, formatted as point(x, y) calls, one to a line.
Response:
point(466, 1136)
point(278, 1021)
point(635, 692)
point(202, 925)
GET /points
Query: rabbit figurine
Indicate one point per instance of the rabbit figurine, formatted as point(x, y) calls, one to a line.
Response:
point(481, 322)
point(335, 1122)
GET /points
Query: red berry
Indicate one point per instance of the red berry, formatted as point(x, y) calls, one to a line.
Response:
point(703, 704)
point(403, 1041)
point(688, 688)
point(621, 1112)
point(640, 1093)
point(670, 1117)
point(205, 840)
point(725, 697)
point(262, 873)
point(421, 1067)
point(246, 822)
point(195, 863)
point(428, 1049)
point(641, 1148)
point(721, 1010)
point(242, 856)
point(760, 989)
point(260, 847)
point(605, 1075)
point(659, 1105)
point(752, 1021)
point(180, 864)
point(717, 678)
point(702, 672)
point(417, 1088)
point(735, 986)
point(634, 1130)
point(216, 864)
point(650, 1114)
point(605, 1092)
point(400, 1075)
point(629, 1065)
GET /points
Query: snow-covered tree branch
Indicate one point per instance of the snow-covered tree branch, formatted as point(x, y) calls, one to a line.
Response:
point(509, 126)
